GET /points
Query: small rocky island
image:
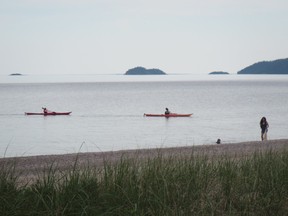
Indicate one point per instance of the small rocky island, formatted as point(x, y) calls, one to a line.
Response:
point(279, 66)
point(218, 73)
point(144, 71)
point(15, 74)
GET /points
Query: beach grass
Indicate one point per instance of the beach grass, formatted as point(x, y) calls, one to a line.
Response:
point(256, 184)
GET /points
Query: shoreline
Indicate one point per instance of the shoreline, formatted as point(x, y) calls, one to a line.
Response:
point(29, 169)
point(231, 178)
point(65, 161)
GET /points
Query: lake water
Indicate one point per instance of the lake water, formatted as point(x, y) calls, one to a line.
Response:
point(107, 111)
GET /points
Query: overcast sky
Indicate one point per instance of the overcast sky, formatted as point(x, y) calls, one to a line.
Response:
point(112, 36)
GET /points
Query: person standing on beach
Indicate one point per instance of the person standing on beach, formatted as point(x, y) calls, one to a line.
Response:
point(264, 128)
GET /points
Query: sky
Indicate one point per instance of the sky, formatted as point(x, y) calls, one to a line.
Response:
point(112, 36)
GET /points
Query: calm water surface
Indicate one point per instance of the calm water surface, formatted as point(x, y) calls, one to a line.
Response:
point(109, 115)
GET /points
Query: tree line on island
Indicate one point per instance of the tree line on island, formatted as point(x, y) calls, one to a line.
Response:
point(144, 71)
point(279, 66)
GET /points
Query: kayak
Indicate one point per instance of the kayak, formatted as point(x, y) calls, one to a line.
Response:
point(168, 115)
point(49, 113)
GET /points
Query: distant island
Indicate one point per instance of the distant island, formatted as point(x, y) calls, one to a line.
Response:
point(144, 71)
point(218, 73)
point(15, 74)
point(279, 66)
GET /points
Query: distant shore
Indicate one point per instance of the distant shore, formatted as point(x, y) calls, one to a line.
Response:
point(31, 164)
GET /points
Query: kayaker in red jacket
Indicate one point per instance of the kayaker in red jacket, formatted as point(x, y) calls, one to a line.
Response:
point(46, 111)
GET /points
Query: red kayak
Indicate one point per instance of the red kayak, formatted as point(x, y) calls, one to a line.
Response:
point(168, 115)
point(49, 113)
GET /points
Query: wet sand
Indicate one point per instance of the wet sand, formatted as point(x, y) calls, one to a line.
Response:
point(31, 166)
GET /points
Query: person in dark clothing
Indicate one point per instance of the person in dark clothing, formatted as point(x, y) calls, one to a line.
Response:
point(45, 110)
point(167, 112)
point(264, 128)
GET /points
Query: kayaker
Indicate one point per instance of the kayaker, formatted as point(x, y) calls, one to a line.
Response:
point(45, 110)
point(167, 112)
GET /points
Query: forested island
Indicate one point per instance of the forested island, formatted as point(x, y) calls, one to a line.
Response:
point(279, 66)
point(144, 71)
point(218, 73)
point(15, 74)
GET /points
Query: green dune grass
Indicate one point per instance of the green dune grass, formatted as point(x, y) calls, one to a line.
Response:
point(175, 185)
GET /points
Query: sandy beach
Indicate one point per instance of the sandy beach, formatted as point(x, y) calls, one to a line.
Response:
point(30, 166)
